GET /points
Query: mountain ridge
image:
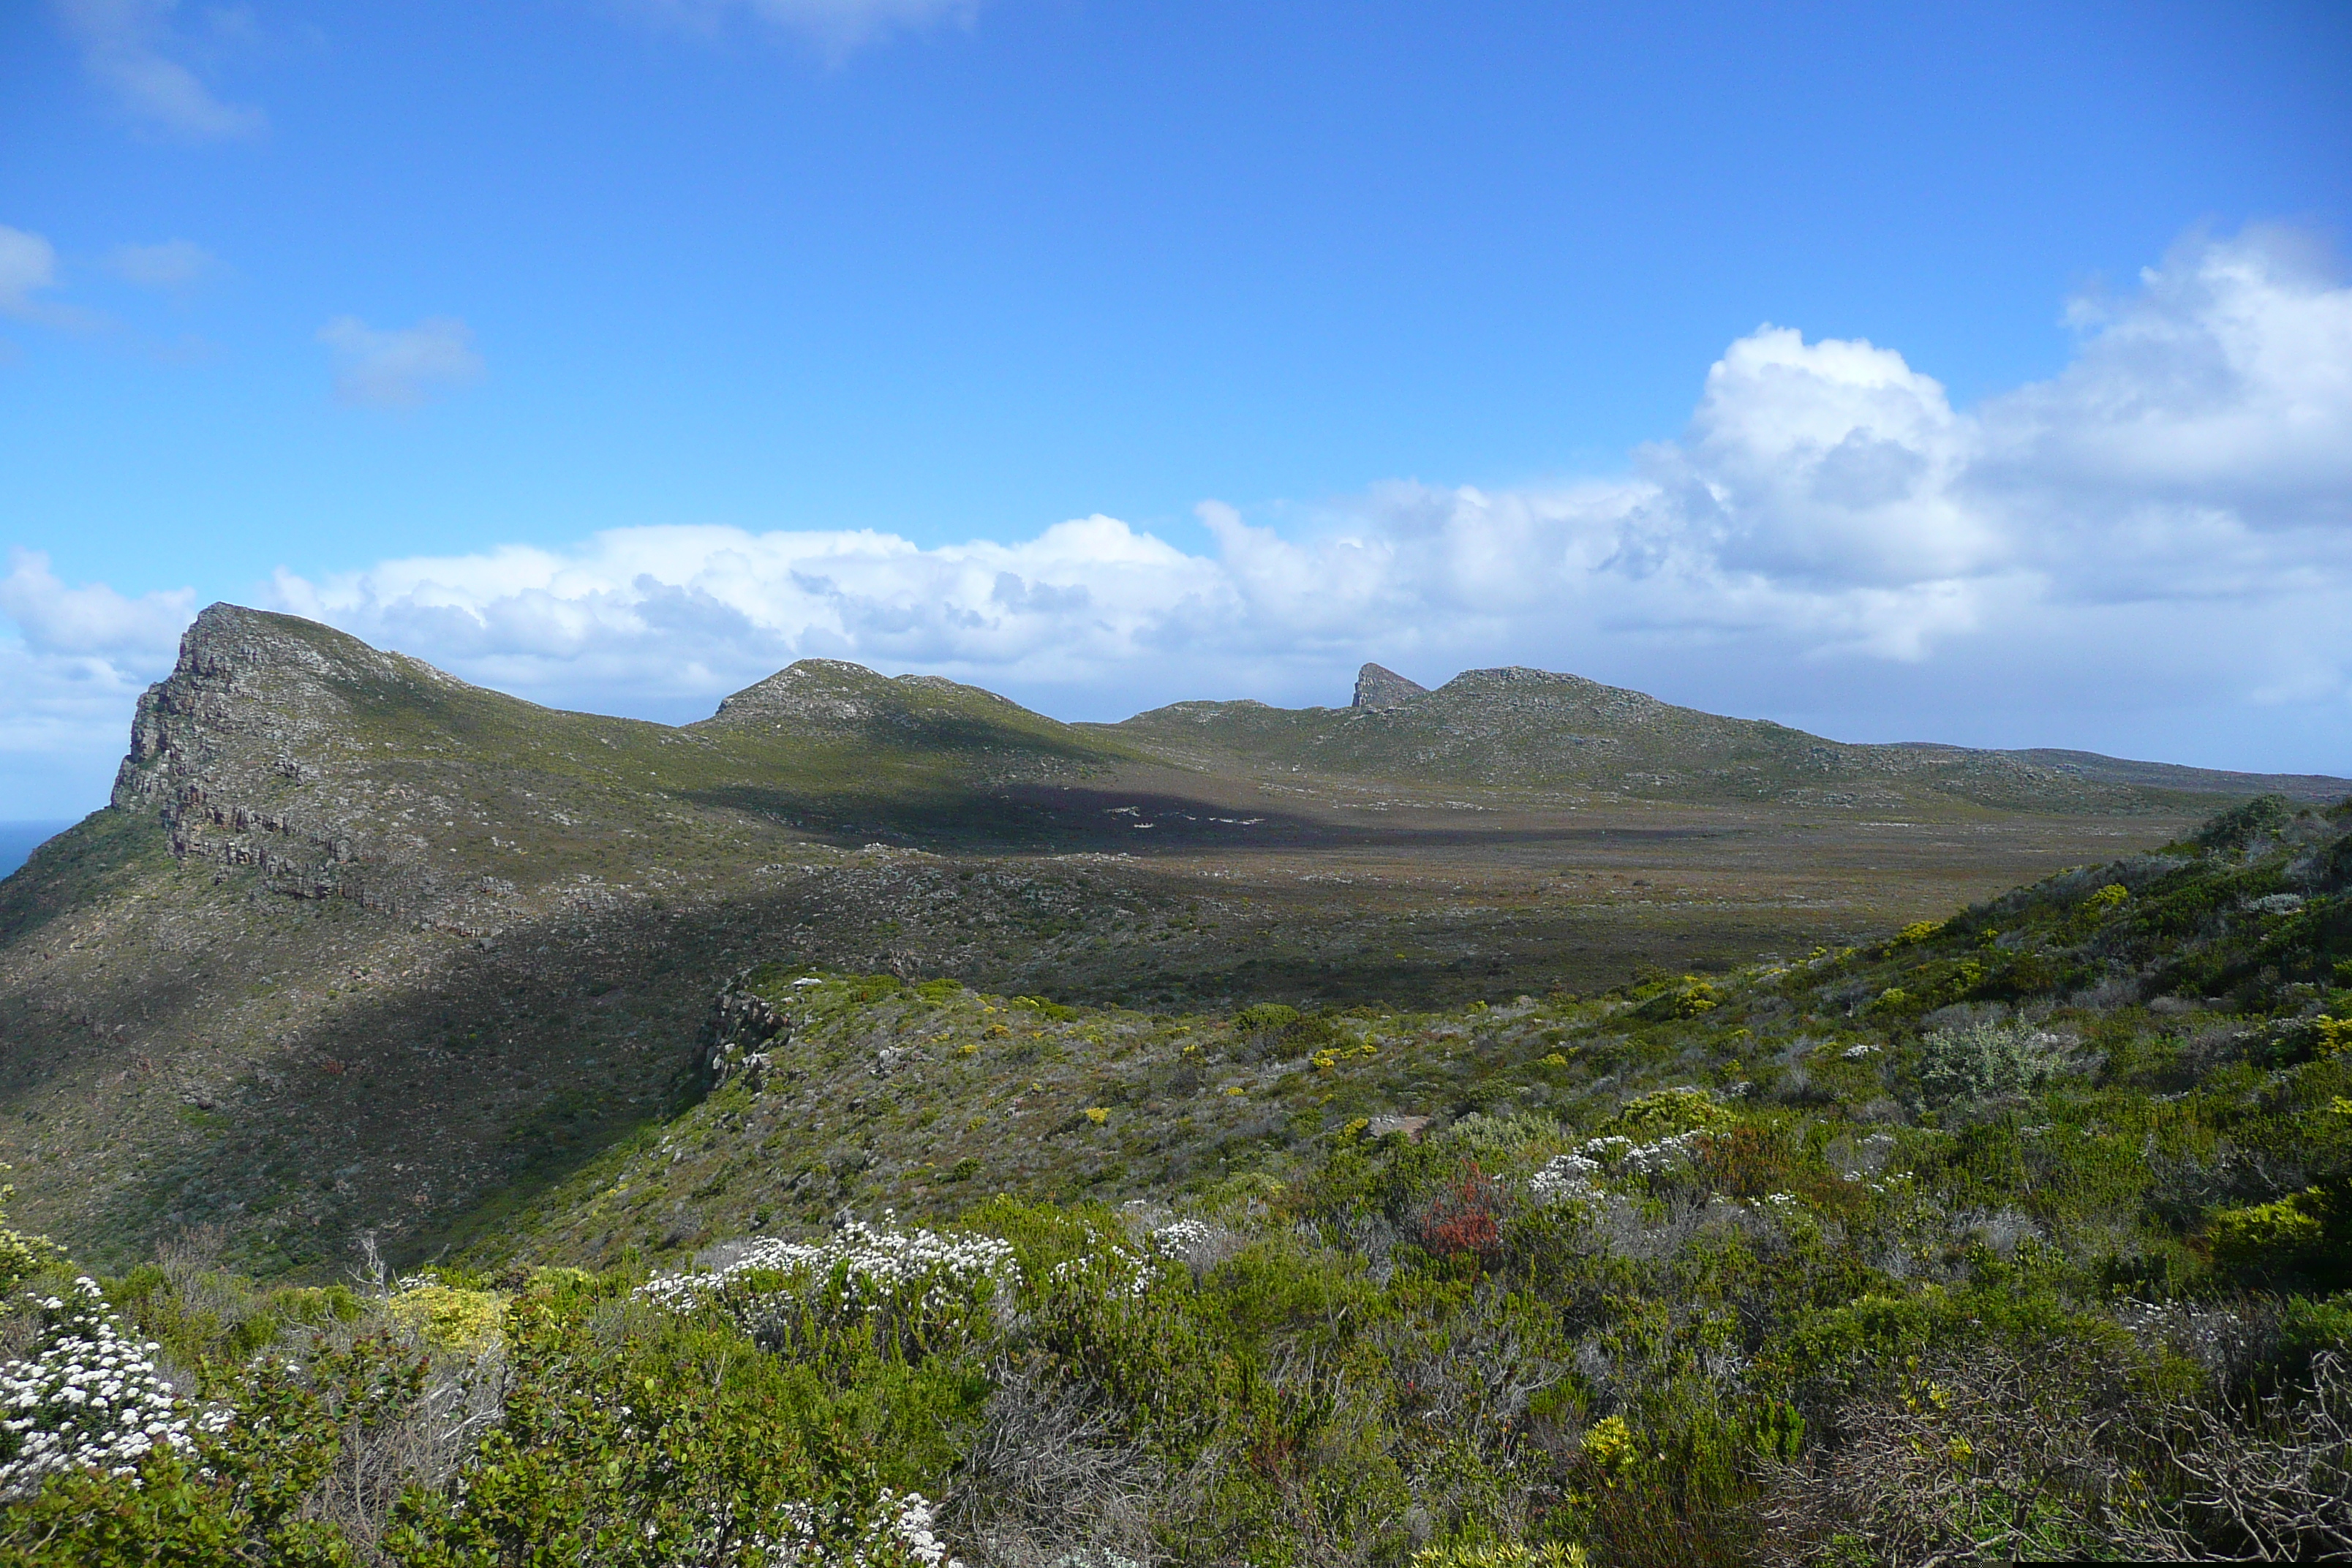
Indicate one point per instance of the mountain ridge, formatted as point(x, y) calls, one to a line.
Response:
point(1563, 729)
point(360, 946)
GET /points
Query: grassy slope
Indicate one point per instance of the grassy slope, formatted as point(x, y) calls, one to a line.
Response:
point(533, 906)
point(1532, 728)
point(2178, 1000)
point(1988, 1240)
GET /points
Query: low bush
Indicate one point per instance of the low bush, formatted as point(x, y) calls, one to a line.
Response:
point(1985, 1061)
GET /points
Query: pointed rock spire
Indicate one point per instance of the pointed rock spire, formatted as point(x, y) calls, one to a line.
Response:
point(1377, 687)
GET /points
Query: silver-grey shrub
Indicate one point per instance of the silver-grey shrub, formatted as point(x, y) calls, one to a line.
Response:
point(1986, 1061)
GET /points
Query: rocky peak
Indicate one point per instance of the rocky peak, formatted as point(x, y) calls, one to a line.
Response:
point(826, 692)
point(1518, 684)
point(249, 680)
point(228, 640)
point(833, 697)
point(1377, 687)
point(239, 749)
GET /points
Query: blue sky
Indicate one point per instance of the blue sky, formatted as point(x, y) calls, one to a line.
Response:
point(614, 351)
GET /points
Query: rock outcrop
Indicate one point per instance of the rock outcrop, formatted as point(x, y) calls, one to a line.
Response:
point(1377, 687)
point(831, 697)
point(742, 1028)
point(241, 749)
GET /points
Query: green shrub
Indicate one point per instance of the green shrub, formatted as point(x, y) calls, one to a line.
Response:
point(664, 1443)
point(2304, 1237)
point(1501, 1141)
point(241, 1496)
point(1687, 998)
point(1984, 1061)
point(1667, 1111)
point(448, 1318)
point(21, 1255)
point(2233, 831)
point(2309, 1327)
point(1264, 1018)
point(1551, 1555)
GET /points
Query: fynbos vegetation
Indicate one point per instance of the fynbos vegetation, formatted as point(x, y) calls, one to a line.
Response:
point(2026, 1233)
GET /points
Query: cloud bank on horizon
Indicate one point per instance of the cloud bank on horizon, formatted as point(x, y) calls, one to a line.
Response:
point(2150, 552)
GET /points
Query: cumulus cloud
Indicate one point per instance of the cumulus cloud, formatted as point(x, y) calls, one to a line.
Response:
point(92, 620)
point(403, 367)
point(173, 267)
point(134, 48)
point(68, 680)
point(2162, 531)
point(835, 27)
point(650, 613)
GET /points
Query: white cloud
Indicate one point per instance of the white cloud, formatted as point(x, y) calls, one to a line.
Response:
point(651, 614)
point(67, 682)
point(92, 620)
point(403, 367)
point(134, 48)
point(2221, 393)
point(173, 266)
point(28, 269)
point(835, 27)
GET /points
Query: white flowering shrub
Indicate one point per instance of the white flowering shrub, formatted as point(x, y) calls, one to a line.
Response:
point(898, 1532)
point(1179, 1238)
point(1564, 1177)
point(1191, 1243)
point(1659, 1156)
point(1580, 1173)
point(916, 1284)
point(89, 1398)
point(1111, 1271)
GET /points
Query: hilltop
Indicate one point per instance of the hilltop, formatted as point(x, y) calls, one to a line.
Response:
point(360, 947)
point(1533, 728)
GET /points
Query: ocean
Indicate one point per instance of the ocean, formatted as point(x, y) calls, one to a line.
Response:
point(19, 839)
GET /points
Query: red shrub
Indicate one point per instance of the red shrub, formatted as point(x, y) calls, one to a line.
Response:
point(1467, 1217)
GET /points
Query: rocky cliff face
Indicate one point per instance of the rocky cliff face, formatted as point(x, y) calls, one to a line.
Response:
point(245, 755)
point(1377, 687)
point(357, 944)
point(742, 1029)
